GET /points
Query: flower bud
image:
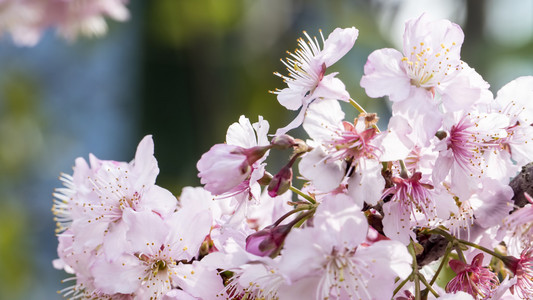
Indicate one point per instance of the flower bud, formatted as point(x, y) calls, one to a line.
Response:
point(283, 142)
point(281, 182)
point(268, 241)
point(266, 179)
point(255, 153)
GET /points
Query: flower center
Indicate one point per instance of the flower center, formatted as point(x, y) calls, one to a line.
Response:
point(428, 67)
point(354, 142)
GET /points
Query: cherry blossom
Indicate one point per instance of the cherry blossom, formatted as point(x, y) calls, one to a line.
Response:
point(307, 79)
point(522, 269)
point(430, 58)
point(427, 77)
point(514, 101)
point(414, 201)
point(332, 262)
point(516, 228)
point(473, 279)
point(26, 20)
point(97, 196)
point(234, 168)
point(461, 153)
point(345, 151)
point(369, 214)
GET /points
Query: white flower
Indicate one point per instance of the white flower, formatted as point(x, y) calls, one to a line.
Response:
point(307, 79)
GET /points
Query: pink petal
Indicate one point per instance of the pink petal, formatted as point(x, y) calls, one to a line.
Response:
point(241, 134)
point(326, 175)
point(121, 276)
point(297, 121)
point(338, 43)
point(331, 88)
point(292, 96)
point(147, 231)
point(433, 34)
point(366, 184)
point(385, 76)
point(145, 165)
point(323, 118)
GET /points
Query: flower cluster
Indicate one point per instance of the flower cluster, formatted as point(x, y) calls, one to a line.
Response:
point(371, 202)
point(26, 20)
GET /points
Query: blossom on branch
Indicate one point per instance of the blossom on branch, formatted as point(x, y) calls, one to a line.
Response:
point(307, 79)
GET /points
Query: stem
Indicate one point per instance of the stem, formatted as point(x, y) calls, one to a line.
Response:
point(398, 288)
point(404, 173)
point(301, 218)
point(290, 213)
point(357, 106)
point(445, 234)
point(442, 264)
point(428, 286)
point(453, 239)
point(411, 248)
point(460, 253)
point(305, 196)
point(495, 254)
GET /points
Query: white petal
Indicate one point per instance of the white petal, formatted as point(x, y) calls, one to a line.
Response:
point(241, 134)
point(385, 76)
point(292, 97)
point(331, 88)
point(120, 276)
point(395, 141)
point(396, 223)
point(338, 43)
point(147, 231)
point(326, 175)
point(323, 118)
point(145, 165)
point(366, 184)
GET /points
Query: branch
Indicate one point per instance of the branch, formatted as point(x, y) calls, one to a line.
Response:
point(523, 182)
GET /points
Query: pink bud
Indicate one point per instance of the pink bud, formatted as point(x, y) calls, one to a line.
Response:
point(283, 141)
point(255, 153)
point(281, 182)
point(267, 241)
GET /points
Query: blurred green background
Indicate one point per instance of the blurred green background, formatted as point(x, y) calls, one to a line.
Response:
point(184, 70)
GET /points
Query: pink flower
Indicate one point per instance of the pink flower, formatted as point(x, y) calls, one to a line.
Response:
point(96, 196)
point(156, 248)
point(413, 202)
point(427, 78)
point(27, 20)
point(345, 151)
point(225, 166)
point(307, 79)
point(523, 270)
point(79, 17)
point(235, 166)
point(328, 260)
point(463, 153)
point(517, 228)
point(473, 279)
point(430, 59)
point(21, 19)
point(514, 101)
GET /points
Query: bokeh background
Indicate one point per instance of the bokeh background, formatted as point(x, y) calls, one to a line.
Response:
point(183, 71)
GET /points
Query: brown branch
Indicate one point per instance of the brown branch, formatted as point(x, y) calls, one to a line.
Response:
point(522, 183)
